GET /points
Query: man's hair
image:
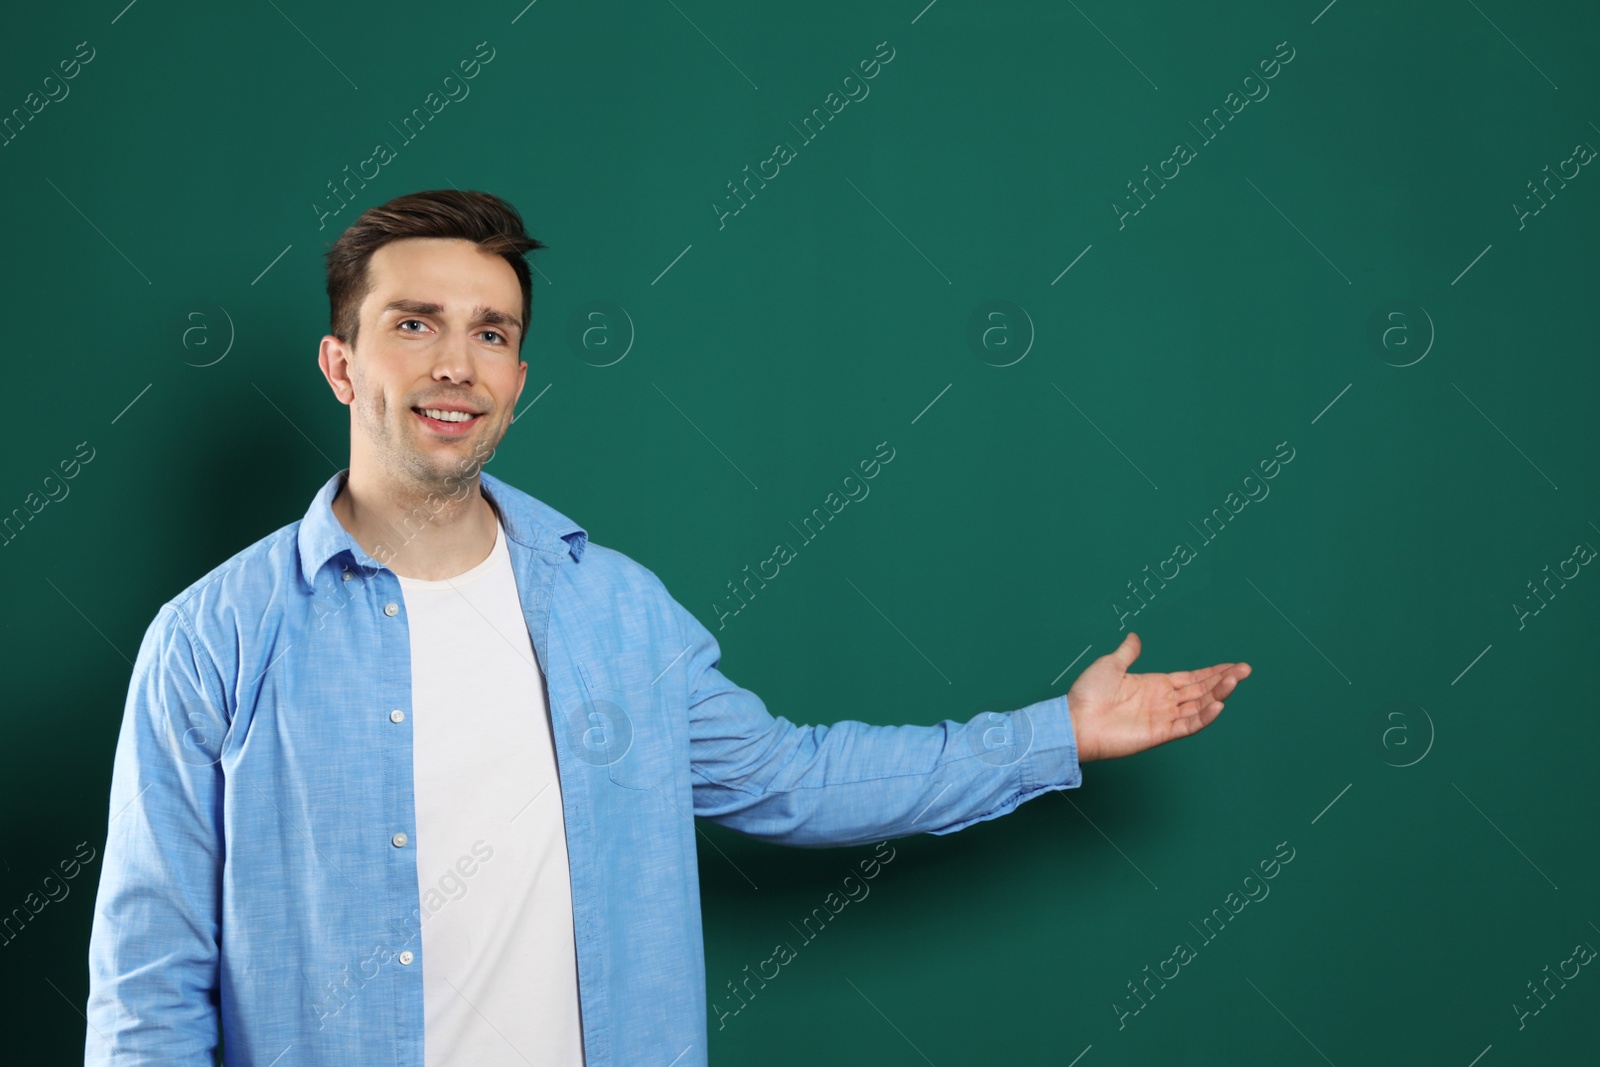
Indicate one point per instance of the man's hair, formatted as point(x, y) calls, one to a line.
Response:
point(483, 218)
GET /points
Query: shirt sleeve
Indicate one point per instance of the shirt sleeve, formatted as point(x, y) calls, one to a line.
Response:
point(852, 782)
point(153, 947)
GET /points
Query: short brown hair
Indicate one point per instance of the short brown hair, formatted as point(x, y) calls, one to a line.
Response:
point(483, 218)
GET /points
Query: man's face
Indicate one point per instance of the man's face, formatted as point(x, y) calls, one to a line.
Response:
point(439, 331)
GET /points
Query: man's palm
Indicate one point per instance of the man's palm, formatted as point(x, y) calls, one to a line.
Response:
point(1115, 713)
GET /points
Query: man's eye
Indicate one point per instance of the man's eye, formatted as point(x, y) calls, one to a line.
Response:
point(405, 321)
point(493, 333)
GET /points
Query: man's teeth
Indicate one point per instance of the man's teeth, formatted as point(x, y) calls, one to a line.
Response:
point(446, 416)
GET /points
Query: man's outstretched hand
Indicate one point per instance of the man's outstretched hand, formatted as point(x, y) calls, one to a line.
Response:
point(1115, 713)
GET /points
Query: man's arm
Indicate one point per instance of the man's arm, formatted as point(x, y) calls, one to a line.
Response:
point(854, 783)
point(153, 950)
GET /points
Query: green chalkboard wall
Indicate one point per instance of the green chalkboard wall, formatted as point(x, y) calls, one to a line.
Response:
point(1092, 271)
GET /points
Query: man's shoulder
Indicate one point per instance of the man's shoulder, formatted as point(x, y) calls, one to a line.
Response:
point(614, 571)
point(252, 572)
point(596, 565)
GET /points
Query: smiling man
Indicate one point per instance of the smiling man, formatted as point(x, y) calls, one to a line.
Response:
point(432, 392)
point(413, 779)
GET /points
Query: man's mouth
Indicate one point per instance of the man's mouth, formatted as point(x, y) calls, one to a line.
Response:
point(445, 420)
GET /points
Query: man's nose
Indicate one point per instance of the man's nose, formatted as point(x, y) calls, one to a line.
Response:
point(454, 362)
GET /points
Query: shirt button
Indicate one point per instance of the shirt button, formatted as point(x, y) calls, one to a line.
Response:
point(406, 957)
point(397, 715)
point(347, 576)
point(391, 608)
point(399, 840)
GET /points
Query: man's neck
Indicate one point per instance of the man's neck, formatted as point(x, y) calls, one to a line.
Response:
point(418, 533)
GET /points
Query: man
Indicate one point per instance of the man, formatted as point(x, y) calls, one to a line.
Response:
point(412, 780)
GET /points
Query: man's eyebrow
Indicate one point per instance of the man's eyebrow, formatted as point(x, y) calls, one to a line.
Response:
point(481, 313)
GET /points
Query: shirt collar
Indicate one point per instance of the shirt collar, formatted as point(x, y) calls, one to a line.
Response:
point(527, 520)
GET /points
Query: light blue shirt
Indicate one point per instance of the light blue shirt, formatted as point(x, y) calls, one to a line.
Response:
point(260, 859)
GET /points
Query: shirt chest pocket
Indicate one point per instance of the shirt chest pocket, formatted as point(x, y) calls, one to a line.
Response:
point(624, 725)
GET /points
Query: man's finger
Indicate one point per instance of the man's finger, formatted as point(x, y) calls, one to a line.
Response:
point(1125, 653)
point(1196, 720)
point(1181, 678)
point(1204, 681)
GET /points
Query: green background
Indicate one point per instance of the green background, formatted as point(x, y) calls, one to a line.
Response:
point(1428, 755)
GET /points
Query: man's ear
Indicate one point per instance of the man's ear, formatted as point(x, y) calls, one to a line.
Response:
point(522, 380)
point(334, 359)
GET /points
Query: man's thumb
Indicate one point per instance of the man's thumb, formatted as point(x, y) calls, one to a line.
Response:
point(1124, 654)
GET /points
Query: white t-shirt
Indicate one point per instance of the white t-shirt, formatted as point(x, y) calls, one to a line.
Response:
point(499, 968)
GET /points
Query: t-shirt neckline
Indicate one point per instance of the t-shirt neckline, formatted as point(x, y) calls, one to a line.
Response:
point(471, 574)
